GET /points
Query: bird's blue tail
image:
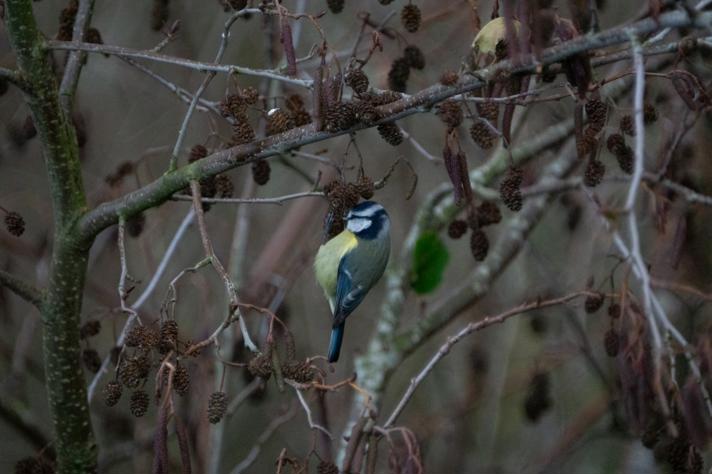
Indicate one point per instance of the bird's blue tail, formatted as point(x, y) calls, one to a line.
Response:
point(337, 335)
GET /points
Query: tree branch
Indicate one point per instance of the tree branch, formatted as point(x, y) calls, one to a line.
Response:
point(163, 58)
point(61, 308)
point(161, 189)
point(485, 322)
point(75, 61)
point(21, 288)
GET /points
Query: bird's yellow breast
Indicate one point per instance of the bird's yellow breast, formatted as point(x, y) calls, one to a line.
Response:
point(326, 263)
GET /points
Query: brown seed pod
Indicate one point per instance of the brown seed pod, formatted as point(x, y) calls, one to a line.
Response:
point(391, 133)
point(217, 407)
point(614, 311)
point(237, 4)
point(90, 328)
point(135, 224)
point(587, 143)
point(449, 78)
point(278, 121)
point(615, 142)
point(181, 380)
point(261, 366)
point(482, 135)
point(198, 152)
point(93, 36)
point(593, 303)
point(294, 102)
point(261, 172)
point(112, 393)
point(233, 105)
point(414, 56)
point(595, 170)
point(242, 132)
point(249, 95)
point(538, 400)
point(479, 245)
point(365, 187)
point(366, 112)
point(301, 117)
point(357, 80)
point(91, 360)
point(457, 229)
point(398, 75)
point(450, 113)
point(341, 116)
point(168, 335)
point(336, 6)
point(488, 213)
point(626, 125)
point(159, 14)
point(509, 189)
point(139, 403)
point(382, 98)
point(410, 17)
point(326, 467)
point(650, 114)
point(224, 186)
point(489, 111)
point(300, 372)
point(611, 342)
point(15, 223)
point(596, 110)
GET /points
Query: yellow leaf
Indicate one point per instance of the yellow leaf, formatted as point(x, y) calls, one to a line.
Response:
point(492, 33)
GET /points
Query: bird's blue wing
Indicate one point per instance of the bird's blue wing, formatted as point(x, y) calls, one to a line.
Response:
point(348, 294)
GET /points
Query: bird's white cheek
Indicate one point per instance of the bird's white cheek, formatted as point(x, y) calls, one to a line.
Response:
point(358, 225)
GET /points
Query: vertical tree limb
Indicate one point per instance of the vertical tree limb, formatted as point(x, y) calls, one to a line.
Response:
point(61, 305)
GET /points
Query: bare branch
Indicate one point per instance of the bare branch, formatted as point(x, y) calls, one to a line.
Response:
point(251, 457)
point(308, 412)
point(198, 93)
point(161, 190)
point(21, 288)
point(152, 284)
point(186, 63)
point(279, 200)
point(467, 330)
point(75, 61)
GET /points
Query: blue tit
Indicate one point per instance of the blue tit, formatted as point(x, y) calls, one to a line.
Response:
point(348, 265)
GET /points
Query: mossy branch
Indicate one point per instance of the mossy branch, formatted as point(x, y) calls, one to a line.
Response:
point(21, 288)
point(61, 305)
point(162, 189)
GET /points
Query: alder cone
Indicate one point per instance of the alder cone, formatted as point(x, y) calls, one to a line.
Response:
point(414, 56)
point(410, 17)
point(217, 407)
point(391, 133)
point(399, 74)
point(357, 80)
point(457, 229)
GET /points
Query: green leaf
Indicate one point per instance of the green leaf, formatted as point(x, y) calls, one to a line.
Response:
point(429, 261)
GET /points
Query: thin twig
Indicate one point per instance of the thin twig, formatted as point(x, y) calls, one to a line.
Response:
point(76, 59)
point(308, 412)
point(187, 63)
point(167, 256)
point(469, 329)
point(224, 38)
point(251, 457)
point(279, 200)
point(229, 285)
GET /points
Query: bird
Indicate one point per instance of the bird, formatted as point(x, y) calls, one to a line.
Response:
point(351, 263)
